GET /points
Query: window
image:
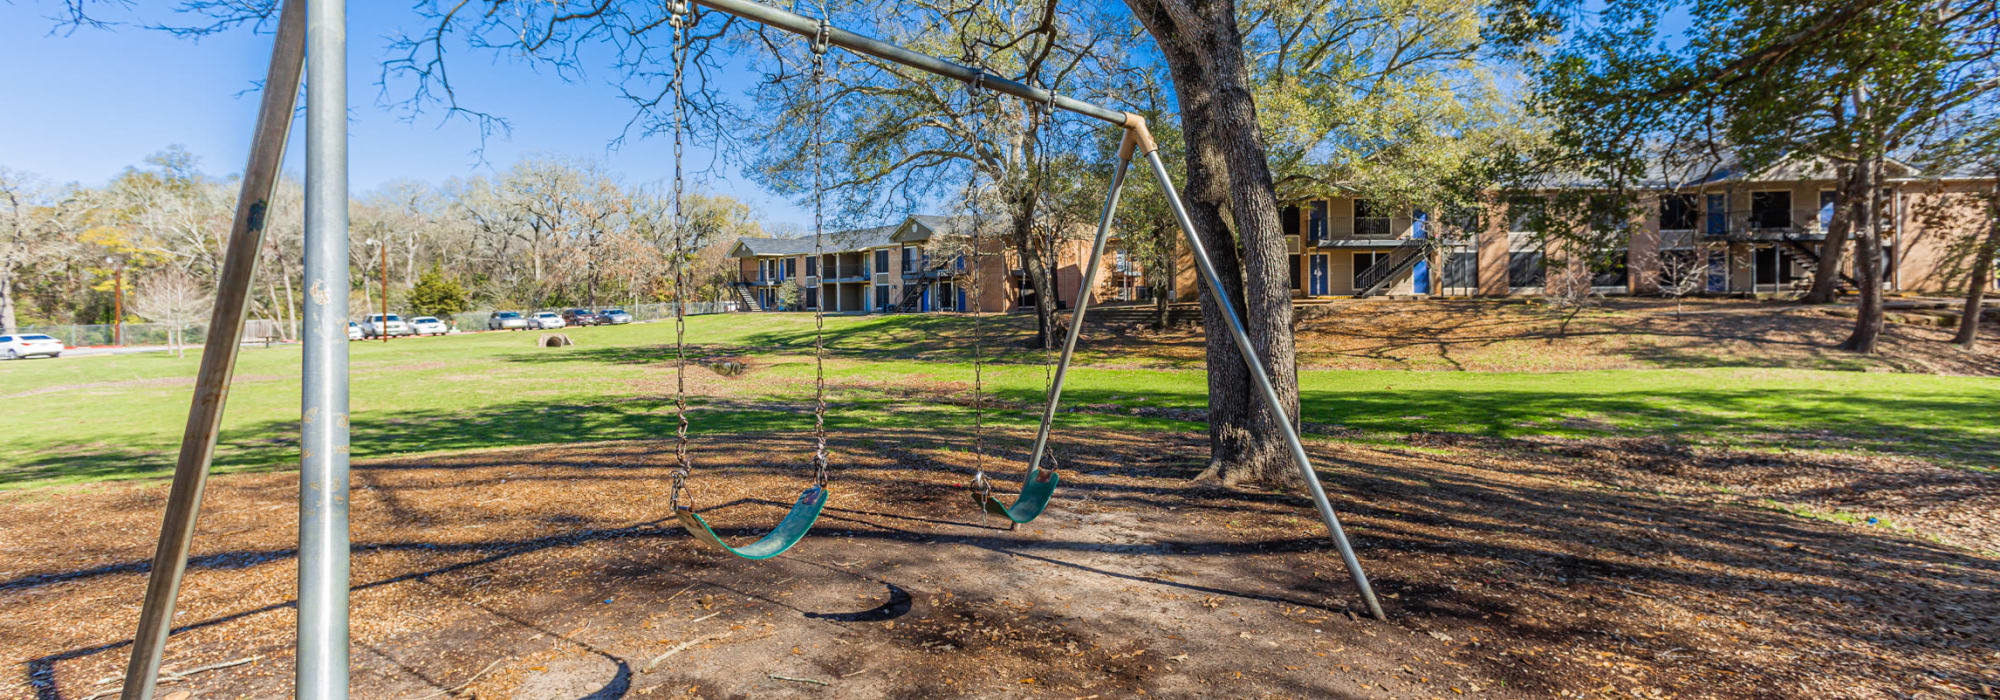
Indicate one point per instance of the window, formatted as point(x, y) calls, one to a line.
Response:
point(1370, 221)
point(1289, 219)
point(1523, 213)
point(791, 267)
point(1363, 262)
point(1771, 209)
point(1611, 273)
point(1718, 215)
point(882, 290)
point(812, 297)
point(1828, 199)
point(1294, 268)
point(882, 264)
point(812, 266)
point(1316, 222)
point(1461, 269)
point(1766, 262)
point(1524, 269)
point(909, 260)
point(1678, 212)
point(1608, 214)
point(1679, 269)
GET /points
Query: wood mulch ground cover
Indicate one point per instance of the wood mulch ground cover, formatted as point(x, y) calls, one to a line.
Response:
point(1508, 570)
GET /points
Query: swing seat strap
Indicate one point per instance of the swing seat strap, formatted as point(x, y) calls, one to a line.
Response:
point(788, 532)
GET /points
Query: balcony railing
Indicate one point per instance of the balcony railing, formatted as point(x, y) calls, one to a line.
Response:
point(1760, 226)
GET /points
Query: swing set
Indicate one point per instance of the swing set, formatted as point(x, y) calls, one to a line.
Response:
point(314, 34)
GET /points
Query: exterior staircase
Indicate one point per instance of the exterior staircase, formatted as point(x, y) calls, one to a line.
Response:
point(1812, 268)
point(913, 294)
point(1404, 257)
point(745, 298)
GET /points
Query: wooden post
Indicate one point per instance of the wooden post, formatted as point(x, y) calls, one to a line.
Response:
point(118, 306)
point(218, 358)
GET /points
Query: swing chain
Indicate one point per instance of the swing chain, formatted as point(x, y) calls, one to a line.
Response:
point(683, 464)
point(1046, 114)
point(819, 46)
point(972, 94)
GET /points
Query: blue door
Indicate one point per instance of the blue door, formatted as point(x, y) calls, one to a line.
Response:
point(1318, 287)
point(924, 299)
point(1421, 275)
point(1718, 271)
point(961, 300)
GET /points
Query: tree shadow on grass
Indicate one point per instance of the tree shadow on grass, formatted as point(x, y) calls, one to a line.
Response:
point(1949, 426)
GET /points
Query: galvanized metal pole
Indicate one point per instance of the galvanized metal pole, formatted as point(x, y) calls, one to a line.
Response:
point(1256, 367)
point(322, 621)
point(810, 28)
point(1082, 305)
point(218, 358)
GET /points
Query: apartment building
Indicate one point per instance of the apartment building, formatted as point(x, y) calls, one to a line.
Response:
point(916, 265)
point(1742, 232)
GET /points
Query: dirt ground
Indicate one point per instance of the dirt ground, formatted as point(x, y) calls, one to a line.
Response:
point(1618, 333)
point(1507, 570)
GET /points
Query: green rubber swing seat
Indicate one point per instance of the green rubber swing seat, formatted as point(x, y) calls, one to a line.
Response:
point(1034, 498)
point(788, 532)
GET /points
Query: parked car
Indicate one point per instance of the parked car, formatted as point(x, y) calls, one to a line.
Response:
point(353, 331)
point(547, 320)
point(428, 325)
point(377, 325)
point(15, 347)
point(580, 317)
point(507, 321)
point(614, 317)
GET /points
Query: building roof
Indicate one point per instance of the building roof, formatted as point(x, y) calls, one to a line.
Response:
point(922, 227)
point(833, 241)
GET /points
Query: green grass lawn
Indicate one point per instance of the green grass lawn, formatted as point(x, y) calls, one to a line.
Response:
point(86, 419)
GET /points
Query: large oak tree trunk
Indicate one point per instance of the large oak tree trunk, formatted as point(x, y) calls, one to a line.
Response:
point(1868, 258)
point(1826, 277)
point(1982, 276)
point(1228, 169)
point(1034, 263)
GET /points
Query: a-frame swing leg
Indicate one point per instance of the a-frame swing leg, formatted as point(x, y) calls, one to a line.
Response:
point(1256, 367)
point(1083, 292)
point(218, 357)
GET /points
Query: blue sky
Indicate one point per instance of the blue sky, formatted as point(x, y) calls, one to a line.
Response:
point(81, 106)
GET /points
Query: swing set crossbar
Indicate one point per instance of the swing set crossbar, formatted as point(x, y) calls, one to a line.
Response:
point(1137, 139)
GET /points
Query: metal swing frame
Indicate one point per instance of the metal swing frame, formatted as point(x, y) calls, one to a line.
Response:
point(315, 33)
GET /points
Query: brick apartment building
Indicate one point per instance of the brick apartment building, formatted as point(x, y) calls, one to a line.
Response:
point(1749, 233)
point(1742, 232)
point(916, 265)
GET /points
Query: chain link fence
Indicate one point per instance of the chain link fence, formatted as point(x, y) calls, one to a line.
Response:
point(264, 331)
point(133, 334)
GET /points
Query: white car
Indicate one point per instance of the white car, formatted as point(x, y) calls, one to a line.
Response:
point(377, 325)
point(353, 331)
point(428, 325)
point(15, 347)
point(547, 320)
